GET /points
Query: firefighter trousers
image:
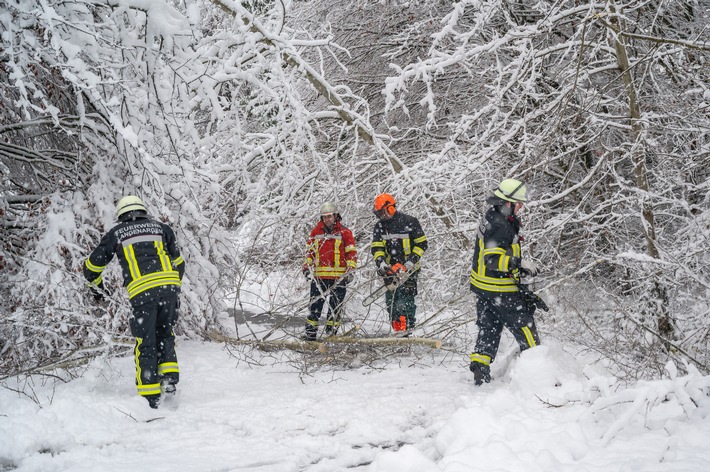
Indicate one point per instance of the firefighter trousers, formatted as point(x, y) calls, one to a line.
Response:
point(401, 304)
point(152, 325)
point(332, 290)
point(498, 310)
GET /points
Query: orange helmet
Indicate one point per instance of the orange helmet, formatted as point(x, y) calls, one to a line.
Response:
point(384, 205)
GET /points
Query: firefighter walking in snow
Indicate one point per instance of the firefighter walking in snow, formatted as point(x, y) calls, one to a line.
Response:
point(331, 258)
point(152, 273)
point(398, 243)
point(495, 278)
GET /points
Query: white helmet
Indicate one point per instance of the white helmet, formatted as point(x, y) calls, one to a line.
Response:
point(511, 190)
point(129, 203)
point(327, 208)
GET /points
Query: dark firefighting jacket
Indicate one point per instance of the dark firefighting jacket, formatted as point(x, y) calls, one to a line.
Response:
point(497, 255)
point(148, 255)
point(330, 253)
point(398, 240)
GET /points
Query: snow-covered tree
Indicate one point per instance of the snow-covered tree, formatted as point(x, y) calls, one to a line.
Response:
point(601, 107)
point(194, 107)
point(234, 121)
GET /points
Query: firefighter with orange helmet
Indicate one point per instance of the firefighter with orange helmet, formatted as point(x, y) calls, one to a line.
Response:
point(330, 262)
point(398, 243)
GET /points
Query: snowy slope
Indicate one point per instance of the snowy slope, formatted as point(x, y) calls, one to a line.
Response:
point(546, 411)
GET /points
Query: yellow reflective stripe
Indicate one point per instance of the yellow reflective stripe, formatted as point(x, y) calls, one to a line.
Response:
point(157, 283)
point(316, 251)
point(336, 259)
point(516, 250)
point(148, 389)
point(155, 279)
point(420, 239)
point(329, 271)
point(494, 251)
point(418, 251)
point(480, 266)
point(178, 261)
point(132, 262)
point(168, 368)
point(529, 336)
point(94, 268)
point(503, 263)
point(168, 275)
point(492, 280)
point(312, 322)
point(491, 284)
point(378, 244)
point(480, 358)
point(96, 281)
point(378, 254)
point(350, 248)
point(332, 323)
point(164, 259)
point(136, 354)
point(494, 288)
point(407, 246)
point(352, 264)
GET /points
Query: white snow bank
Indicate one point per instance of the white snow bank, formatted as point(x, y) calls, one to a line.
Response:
point(544, 411)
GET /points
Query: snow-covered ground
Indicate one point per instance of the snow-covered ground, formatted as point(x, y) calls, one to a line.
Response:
point(546, 411)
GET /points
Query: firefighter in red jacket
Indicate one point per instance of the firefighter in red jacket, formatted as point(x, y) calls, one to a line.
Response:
point(152, 273)
point(331, 258)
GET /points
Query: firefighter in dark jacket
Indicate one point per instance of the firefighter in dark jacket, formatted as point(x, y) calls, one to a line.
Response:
point(398, 243)
point(495, 278)
point(330, 262)
point(152, 273)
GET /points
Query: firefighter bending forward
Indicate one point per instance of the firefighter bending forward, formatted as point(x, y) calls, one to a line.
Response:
point(152, 273)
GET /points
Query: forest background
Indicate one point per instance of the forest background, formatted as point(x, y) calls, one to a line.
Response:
point(235, 121)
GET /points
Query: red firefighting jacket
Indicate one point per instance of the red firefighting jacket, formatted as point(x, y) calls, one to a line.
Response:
point(330, 253)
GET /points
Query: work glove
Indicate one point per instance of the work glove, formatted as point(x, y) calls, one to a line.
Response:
point(409, 265)
point(529, 267)
point(384, 269)
point(307, 274)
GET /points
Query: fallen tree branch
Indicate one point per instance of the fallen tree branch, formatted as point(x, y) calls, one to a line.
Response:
point(322, 345)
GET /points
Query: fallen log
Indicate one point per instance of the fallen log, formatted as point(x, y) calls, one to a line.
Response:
point(322, 344)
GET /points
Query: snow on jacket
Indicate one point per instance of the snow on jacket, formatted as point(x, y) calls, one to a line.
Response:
point(330, 253)
point(148, 255)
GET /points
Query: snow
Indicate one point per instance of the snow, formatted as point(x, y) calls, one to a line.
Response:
point(546, 410)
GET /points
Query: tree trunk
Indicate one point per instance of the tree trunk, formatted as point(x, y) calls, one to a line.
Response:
point(638, 156)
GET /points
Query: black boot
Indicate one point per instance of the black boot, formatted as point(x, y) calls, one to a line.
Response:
point(167, 386)
point(311, 333)
point(153, 401)
point(481, 373)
